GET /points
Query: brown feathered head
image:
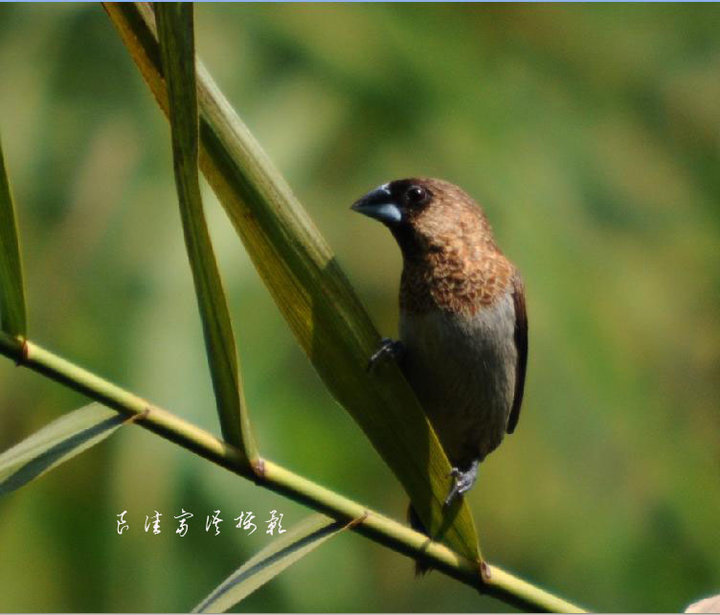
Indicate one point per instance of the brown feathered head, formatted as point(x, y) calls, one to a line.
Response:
point(427, 215)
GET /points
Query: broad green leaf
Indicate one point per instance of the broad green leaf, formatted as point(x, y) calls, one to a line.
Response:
point(55, 443)
point(12, 291)
point(312, 292)
point(281, 553)
point(175, 27)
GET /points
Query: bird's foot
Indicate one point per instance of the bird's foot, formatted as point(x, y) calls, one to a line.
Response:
point(462, 482)
point(388, 347)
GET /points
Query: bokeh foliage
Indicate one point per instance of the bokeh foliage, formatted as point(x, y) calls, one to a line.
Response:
point(590, 135)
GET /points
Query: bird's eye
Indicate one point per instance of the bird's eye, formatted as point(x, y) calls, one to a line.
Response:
point(416, 195)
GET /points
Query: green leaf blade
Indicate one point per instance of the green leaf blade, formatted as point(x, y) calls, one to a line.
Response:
point(312, 292)
point(269, 562)
point(13, 319)
point(55, 444)
point(175, 29)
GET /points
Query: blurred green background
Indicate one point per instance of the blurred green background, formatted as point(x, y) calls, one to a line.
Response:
point(591, 135)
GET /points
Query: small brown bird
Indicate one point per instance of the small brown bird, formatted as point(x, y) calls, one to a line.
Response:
point(463, 326)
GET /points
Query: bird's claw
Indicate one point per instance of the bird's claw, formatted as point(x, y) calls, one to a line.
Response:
point(462, 482)
point(389, 347)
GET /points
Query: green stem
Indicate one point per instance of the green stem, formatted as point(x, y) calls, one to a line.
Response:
point(493, 580)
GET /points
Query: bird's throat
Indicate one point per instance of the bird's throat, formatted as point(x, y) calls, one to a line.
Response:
point(447, 279)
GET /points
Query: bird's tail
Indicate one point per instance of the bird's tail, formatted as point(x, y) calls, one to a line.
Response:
point(415, 523)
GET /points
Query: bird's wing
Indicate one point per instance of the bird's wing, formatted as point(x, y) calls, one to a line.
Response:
point(521, 344)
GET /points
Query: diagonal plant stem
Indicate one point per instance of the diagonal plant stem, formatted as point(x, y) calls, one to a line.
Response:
point(493, 580)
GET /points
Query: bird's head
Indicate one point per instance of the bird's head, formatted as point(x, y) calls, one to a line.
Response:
point(426, 215)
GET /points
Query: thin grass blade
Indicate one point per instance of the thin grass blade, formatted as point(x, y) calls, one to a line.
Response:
point(281, 553)
point(13, 319)
point(311, 291)
point(175, 29)
point(56, 443)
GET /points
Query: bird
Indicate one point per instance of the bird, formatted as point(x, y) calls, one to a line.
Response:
point(463, 327)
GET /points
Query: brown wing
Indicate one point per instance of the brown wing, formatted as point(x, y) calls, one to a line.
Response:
point(521, 343)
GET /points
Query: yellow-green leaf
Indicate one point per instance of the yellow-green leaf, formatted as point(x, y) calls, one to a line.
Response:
point(12, 291)
point(55, 443)
point(281, 553)
point(175, 29)
point(312, 292)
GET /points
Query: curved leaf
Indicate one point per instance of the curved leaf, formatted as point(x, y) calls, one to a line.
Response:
point(55, 443)
point(284, 551)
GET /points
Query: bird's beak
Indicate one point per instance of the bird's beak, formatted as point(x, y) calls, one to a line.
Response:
point(379, 204)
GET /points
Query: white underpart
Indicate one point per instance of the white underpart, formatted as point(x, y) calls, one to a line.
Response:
point(463, 372)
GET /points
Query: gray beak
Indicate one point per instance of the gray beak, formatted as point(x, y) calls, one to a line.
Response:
point(379, 204)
